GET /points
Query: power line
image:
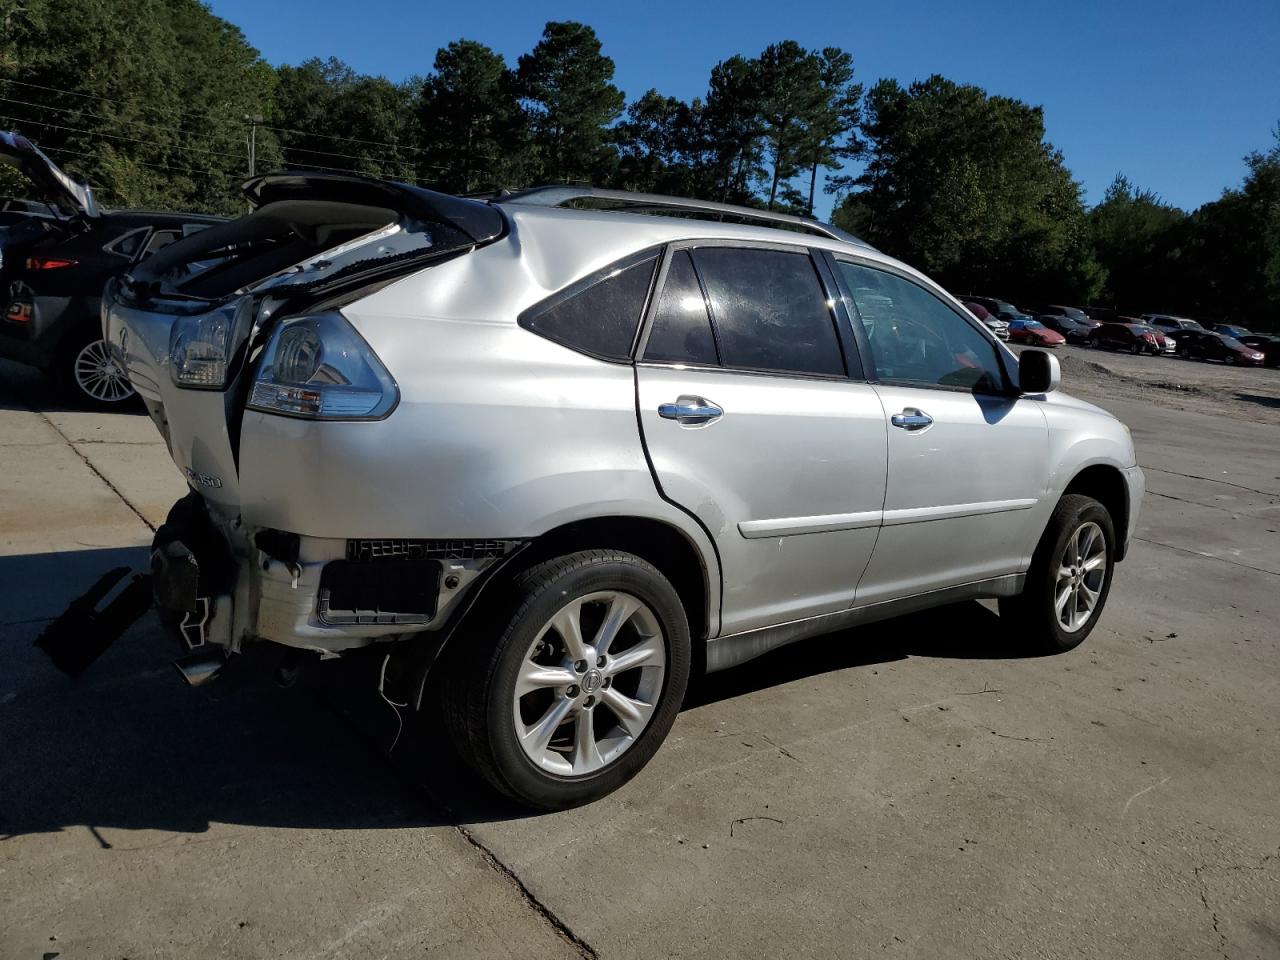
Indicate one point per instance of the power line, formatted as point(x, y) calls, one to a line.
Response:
point(203, 117)
point(145, 163)
point(113, 136)
point(97, 116)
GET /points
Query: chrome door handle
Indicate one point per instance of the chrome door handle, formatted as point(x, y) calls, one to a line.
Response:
point(911, 419)
point(690, 411)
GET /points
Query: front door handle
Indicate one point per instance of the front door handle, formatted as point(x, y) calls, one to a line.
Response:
point(911, 419)
point(690, 410)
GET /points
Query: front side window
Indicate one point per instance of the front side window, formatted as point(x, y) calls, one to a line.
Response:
point(770, 311)
point(599, 314)
point(916, 338)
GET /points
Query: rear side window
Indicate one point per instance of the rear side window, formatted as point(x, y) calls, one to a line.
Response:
point(599, 314)
point(680, 331)
point(129, 244)
point(769, 310)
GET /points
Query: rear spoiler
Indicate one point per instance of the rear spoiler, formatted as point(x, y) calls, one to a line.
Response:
point(477, 220)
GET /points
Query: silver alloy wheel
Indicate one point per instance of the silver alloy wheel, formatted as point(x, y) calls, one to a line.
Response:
point(1081, 571)
point(99, 376)
point(581, 701)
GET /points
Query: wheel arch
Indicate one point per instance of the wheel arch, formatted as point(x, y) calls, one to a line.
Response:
point(672, 551)
point(1105, 483)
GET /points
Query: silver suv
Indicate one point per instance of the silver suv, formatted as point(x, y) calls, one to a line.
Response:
point(544, 455)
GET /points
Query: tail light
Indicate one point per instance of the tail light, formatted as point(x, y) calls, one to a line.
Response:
point(19, 312)
point(48, 263)
point(319, 368)
point(201, 346)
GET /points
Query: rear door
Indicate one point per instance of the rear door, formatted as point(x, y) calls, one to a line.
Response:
point(755, 425)
point(967, 458)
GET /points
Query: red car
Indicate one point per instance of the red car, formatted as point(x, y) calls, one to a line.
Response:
point(1134, 337)
point(1034, 334)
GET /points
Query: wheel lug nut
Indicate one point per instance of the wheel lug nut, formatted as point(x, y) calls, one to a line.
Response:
point(580, 666)
point(608, 682)
point(572, 691)
point(600, 661)
point(589, 702)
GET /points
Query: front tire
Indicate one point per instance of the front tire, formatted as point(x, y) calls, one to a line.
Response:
point(88, 376)
point(1069, 578)
point(571, 686)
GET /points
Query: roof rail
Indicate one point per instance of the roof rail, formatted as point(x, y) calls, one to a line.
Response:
point(556, 195)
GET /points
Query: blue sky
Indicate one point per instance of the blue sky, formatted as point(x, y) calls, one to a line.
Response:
point(1173, 94)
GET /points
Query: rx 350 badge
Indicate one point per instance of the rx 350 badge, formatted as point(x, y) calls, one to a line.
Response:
point(204, 479)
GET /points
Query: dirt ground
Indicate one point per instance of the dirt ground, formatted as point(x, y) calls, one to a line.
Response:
point(1247, 393)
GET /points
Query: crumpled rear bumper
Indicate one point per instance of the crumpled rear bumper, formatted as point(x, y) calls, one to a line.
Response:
point(218, 582)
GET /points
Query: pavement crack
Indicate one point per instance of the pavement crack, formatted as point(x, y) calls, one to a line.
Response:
point(1213, 914)
point(584, 949)
point(96, 472)
point(1208, 556)
point(1193, 476)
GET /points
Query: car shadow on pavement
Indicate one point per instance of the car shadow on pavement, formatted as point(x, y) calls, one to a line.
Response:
point(26, 388)
point(1259, 399)
point(127, 747)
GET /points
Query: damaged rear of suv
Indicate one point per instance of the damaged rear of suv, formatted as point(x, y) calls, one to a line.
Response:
point(556, 458)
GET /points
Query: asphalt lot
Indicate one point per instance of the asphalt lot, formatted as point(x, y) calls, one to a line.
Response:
point(918, 788)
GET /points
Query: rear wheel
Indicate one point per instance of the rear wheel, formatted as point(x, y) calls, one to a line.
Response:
point(89, 376)
point(1230, 358)
point(1184, 353)
point(1069, 578)
point(563, 695)
point(1135, 348)
point(1093, 342)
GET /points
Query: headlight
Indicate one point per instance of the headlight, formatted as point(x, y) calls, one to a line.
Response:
point(319, 368)
point(200, 347)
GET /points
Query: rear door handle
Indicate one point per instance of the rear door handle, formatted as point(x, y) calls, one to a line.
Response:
point(690, 411)
point(911, 419)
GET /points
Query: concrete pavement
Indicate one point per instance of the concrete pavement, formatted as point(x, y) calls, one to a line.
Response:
point(917, 788)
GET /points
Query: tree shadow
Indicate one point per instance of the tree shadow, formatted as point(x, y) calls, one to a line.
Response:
point(127, 747)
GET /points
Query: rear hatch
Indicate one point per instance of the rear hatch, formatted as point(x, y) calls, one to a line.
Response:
point(314, 241)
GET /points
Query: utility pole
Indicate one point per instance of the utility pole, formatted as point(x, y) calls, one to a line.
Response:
point(253, 120)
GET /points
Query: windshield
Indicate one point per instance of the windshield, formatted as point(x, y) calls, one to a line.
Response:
point(1232, 342)
point(1032, 323)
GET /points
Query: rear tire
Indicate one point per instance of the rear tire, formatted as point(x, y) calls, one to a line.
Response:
point(1069, 578)
point(1230, 359)
point(1135, 348)
point(1093, 343)
point(87, 375)
point(586, 721)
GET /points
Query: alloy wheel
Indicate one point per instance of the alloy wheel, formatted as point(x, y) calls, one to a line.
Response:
point(589, 683)
point(99, 376)
point(1082, 568)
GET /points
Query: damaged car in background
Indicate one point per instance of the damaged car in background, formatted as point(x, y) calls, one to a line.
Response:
point(545, 455)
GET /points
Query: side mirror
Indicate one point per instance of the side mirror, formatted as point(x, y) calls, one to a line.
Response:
point(1038, 372)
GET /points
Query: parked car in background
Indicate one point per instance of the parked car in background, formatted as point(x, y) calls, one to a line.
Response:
point(1133, 337)
point(1003, 309)
point(1206, 345)
point(997, 326)
point(1163, 321)
point(1034, 333)
point(55, 257)
point(1268, 346)
point(1073, 330)
point(1081, 317)
point(1230, 330)
point(540, 460)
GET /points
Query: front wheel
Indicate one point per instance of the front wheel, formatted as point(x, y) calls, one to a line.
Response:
point(1069, 578)
point(1135, 348)
point(1093, 342)
point(89, 376)
point(564, 694)
point(1230, 359)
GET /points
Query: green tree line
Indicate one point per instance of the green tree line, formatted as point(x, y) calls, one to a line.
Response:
point(159, 103)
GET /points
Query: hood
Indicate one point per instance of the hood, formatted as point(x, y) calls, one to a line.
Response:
point(52, 184)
